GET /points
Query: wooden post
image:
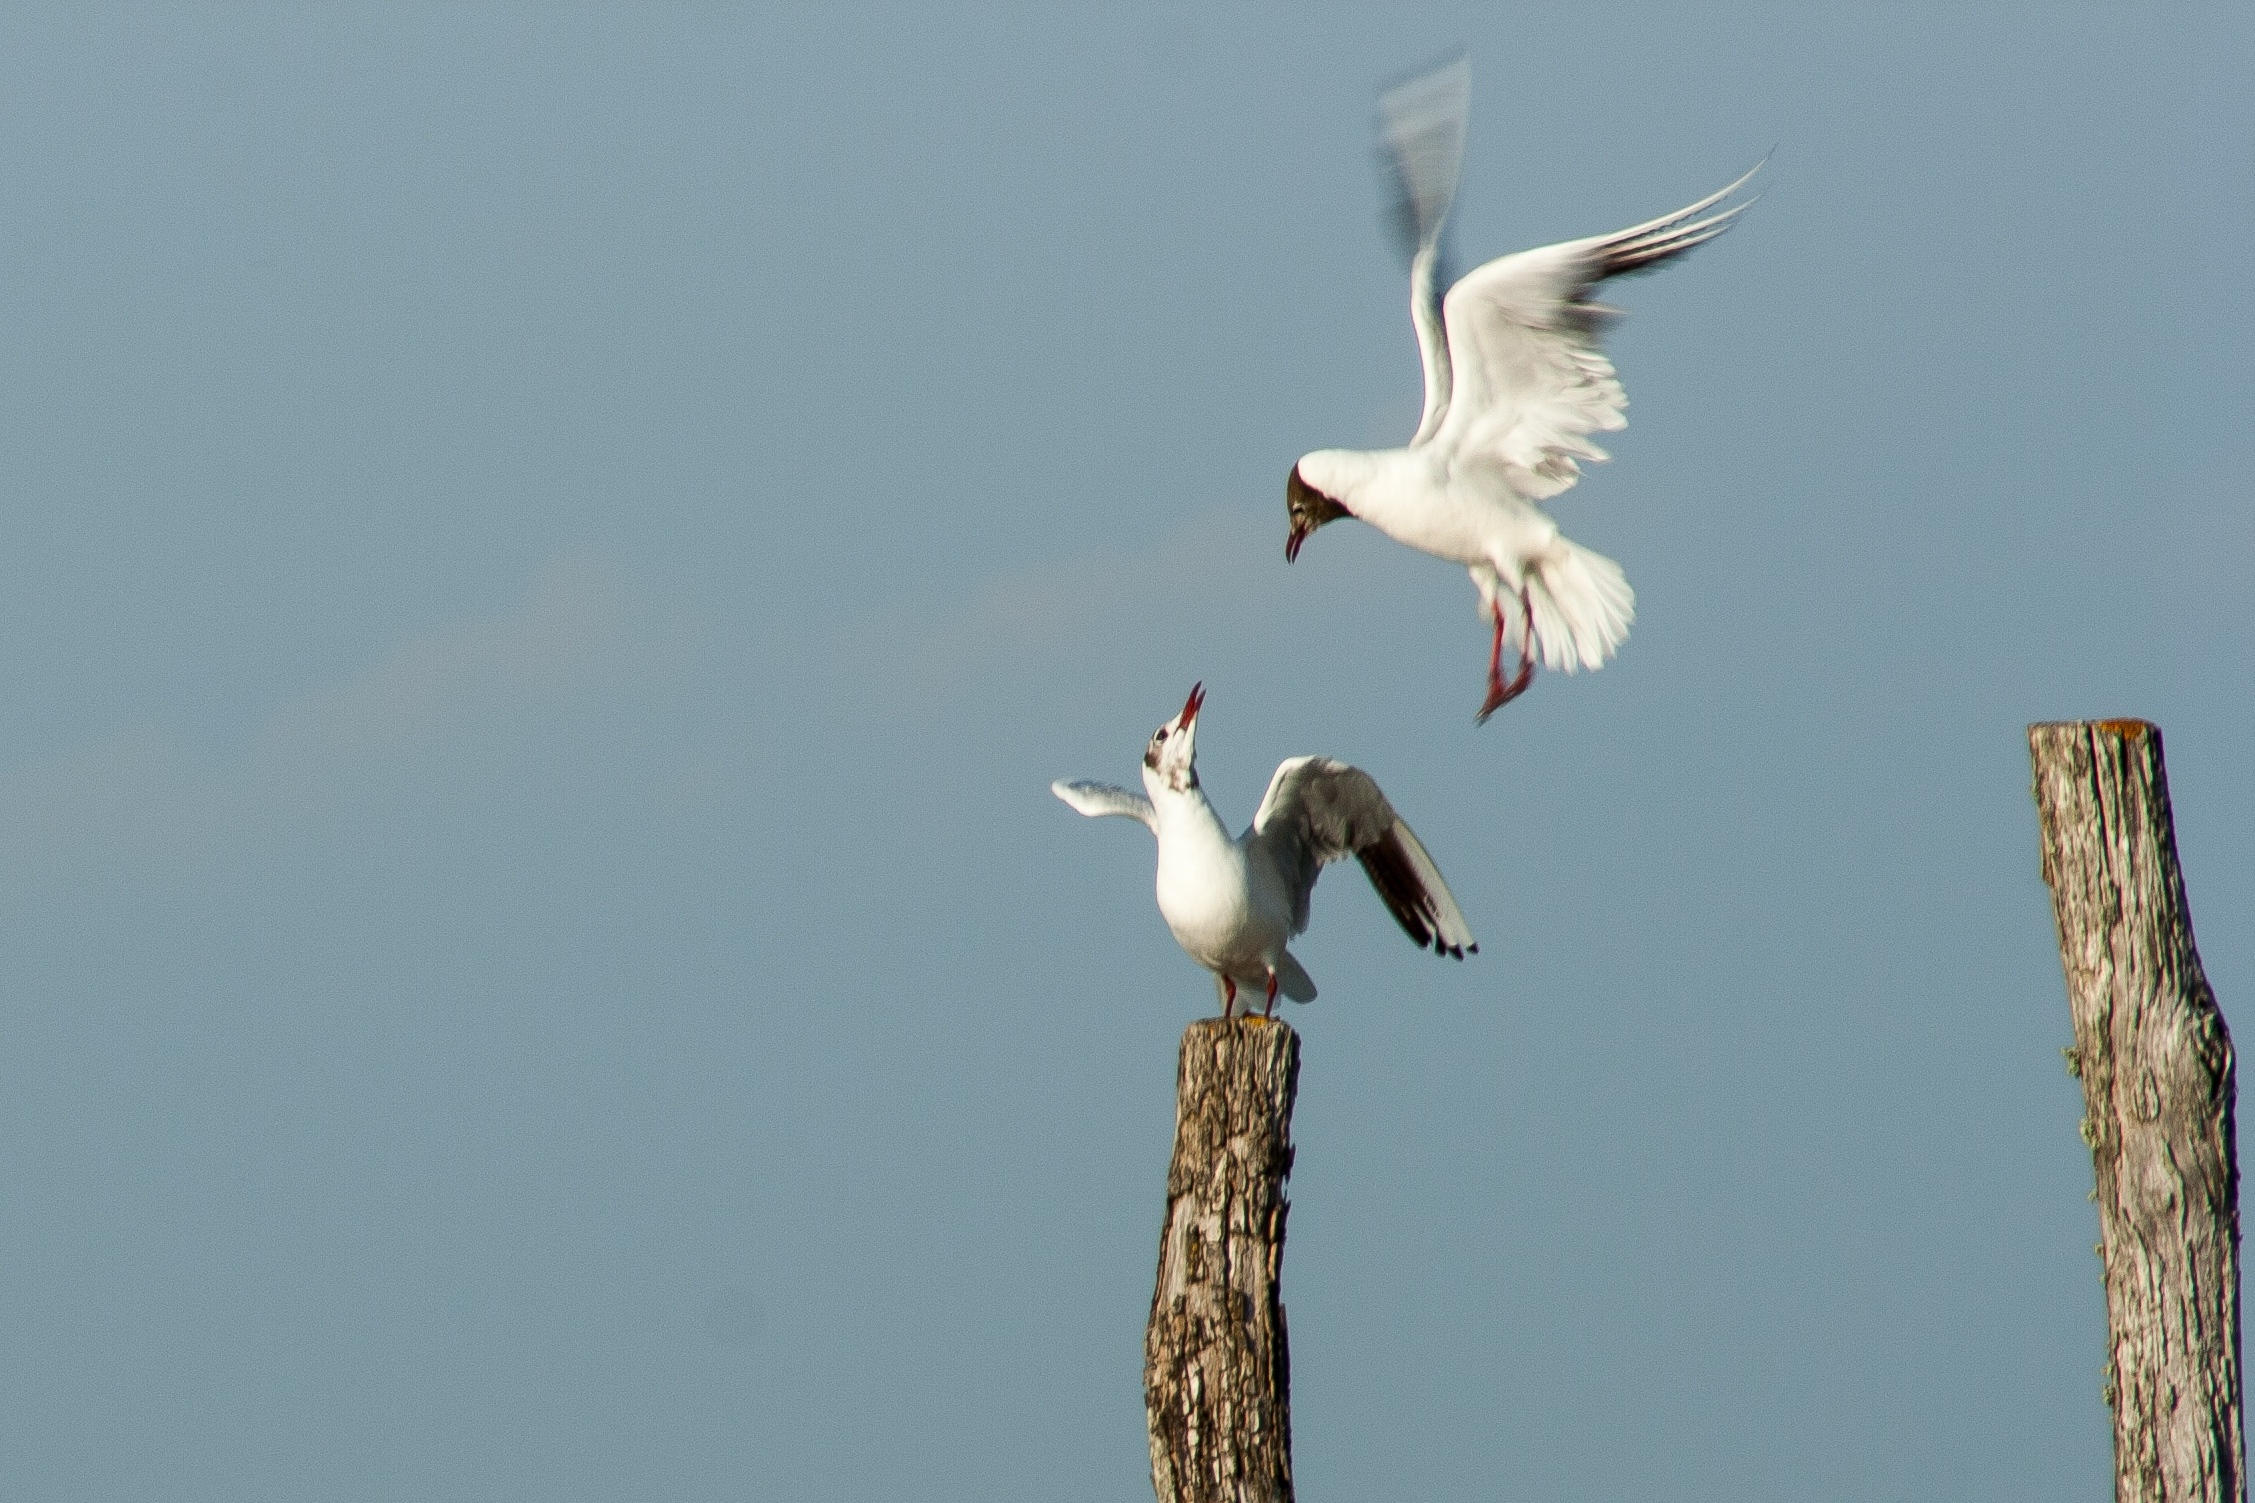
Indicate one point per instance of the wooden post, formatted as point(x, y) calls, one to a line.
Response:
point(2158, 1096)
point(1217, 1374)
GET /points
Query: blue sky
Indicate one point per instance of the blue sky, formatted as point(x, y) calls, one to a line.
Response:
point(554, 556)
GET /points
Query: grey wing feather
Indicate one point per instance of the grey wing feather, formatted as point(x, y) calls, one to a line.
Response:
point(1528, 384)
point(1099, 799)
point(1318, 811)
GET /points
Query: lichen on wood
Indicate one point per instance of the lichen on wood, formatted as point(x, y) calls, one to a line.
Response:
point(2156, 1064)
point(1216, 1365)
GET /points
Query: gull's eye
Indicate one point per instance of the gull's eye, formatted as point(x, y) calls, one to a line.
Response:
point(1162, 734)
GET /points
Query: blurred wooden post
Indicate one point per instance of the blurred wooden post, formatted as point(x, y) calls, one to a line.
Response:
point(2158, 1096)
point(1217, 1374)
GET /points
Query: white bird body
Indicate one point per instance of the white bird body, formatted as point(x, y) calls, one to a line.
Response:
point(1514, 385)
point(1226, 908)
point(1415, 497)
point(1234, 903)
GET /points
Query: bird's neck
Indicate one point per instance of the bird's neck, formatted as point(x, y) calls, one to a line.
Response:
point(1184, 813)
point(1360, 480)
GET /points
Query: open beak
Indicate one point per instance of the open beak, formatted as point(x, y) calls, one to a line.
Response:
point(1300, 531)
point(1191, 706)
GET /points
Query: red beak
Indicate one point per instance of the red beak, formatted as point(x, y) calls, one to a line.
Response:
point(1190, 705)
point(1292, 543)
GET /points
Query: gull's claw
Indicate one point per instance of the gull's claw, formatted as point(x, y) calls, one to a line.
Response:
point(1500, 695)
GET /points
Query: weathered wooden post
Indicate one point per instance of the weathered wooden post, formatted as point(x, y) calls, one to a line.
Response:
point(1217, 1374)
point(2158, 1096)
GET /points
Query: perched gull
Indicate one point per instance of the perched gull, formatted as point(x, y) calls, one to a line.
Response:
point(1514, 384)
point(1234, 904)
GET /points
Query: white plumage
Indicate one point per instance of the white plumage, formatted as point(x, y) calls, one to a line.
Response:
point(1234, 904)
point(1515, 384)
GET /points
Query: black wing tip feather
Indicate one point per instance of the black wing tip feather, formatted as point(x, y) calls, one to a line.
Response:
point(1654, 244)
point(1388, 866)
point(1387, 863)
point(1651, 252)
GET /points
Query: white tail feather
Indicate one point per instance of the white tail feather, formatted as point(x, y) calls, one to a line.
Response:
point(1582, 605)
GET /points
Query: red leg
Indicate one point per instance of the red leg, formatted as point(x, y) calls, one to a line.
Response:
point(1526, 674)
point(1270, 1010)
point(1499, 692)
point(1228, 997)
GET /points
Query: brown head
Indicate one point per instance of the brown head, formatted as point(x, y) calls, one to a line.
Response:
point(1310, 509)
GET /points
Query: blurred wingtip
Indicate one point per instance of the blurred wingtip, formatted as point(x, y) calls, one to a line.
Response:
point(1421, 128)
point(1456, 60)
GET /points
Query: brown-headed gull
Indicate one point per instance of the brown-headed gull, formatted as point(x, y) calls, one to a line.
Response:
point(1234, 904)
point(1514, 385)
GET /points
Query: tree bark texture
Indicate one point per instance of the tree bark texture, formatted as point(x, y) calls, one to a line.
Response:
point(2158, 1094)
point(1216, 1369)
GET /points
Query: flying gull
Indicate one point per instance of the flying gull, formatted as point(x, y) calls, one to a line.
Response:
point(1234, 904)
point(1514, 384)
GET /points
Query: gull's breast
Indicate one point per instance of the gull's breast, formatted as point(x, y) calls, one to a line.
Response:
point(1421, 507)
point(1207, 901)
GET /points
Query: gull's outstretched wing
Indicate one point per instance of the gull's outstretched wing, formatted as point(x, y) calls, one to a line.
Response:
point(1421, 121)
point(1530, 383)
point(1318, 811)
point(1098, 799)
